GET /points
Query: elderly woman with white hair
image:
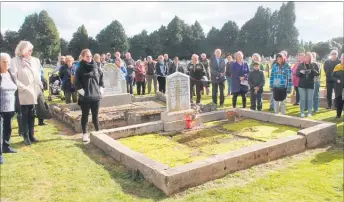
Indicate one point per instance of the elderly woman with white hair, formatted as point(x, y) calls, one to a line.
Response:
point(328, 68)
point(240, 71)
point(8, 89)
point(27, 73)
point(256, 58)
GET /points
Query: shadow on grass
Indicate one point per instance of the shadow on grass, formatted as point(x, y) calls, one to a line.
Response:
point(21, 144)
point(335, 152)
point(130, 182)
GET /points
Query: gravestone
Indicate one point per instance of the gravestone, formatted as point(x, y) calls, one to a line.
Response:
point(114, 80)
point(178, 92)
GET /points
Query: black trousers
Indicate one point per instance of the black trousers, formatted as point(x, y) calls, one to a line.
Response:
point(297, 94)
point(339, 105)
point(141, 87)
point(162, 84)
point(6, 128)
point(199, 87)
point(215, 88)
point(329, 89)
point(28, 120)
point(71, 96)
point(85, 111)
point(235, 97)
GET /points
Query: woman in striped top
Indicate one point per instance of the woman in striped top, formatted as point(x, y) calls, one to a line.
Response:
point(8, 89)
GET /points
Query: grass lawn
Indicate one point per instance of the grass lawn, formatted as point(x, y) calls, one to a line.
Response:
point(62, 168)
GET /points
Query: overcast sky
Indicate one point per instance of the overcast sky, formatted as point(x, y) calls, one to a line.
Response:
point(316, 21)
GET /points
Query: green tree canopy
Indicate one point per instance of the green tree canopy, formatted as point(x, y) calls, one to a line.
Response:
point(113, 37)
point(79, 41)
point(138, 45)
point(48, 39)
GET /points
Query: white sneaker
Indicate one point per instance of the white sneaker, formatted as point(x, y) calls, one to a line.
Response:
point(302, 115)
point(309, 115)
point(85, 138)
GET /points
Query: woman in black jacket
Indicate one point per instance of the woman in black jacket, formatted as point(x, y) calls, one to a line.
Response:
point(90, 86)
point(338, 78)
point(306, 71)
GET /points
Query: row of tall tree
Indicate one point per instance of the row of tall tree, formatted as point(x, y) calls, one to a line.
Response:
point(266, 33)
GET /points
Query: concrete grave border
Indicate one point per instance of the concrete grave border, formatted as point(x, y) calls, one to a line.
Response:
point(172, 180)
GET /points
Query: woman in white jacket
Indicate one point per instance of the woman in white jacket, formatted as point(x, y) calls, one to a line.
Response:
point(27, 72)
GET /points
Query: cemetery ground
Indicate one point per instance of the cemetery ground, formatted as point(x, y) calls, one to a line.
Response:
point(61, 168)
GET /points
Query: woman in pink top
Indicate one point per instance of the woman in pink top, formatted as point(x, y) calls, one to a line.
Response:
point(296, 79)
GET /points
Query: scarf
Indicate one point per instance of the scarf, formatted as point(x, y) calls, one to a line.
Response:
point(339, 67)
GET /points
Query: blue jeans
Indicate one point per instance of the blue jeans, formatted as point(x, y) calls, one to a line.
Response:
point(306, 96)
point(316, 96)
point(229, 82)
point(256, 101)
point(272, 101)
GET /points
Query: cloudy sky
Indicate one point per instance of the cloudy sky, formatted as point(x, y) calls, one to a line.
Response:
point(316, 21)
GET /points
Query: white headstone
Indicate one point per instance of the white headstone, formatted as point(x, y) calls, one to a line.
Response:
point(114, 80)
point(178, 92)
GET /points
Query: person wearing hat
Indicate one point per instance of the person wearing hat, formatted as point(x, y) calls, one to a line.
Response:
point(256, 81)
point(280, 83)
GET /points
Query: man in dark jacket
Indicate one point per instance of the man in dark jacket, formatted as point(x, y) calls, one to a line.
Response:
point(256, 81)
point(205, 63)
point(196, 71)
point(218, 77)
point(175, 66)
point(130, 63)
point(151, 74)
point(328, 68)
point(168, 62)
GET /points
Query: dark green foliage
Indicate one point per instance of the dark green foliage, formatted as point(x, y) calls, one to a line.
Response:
point(79, 42)
point(113, 37)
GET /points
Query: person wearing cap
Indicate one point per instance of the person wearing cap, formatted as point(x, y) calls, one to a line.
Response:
point(280, 83)
point(256, 81)
point(338, 78)
point(328, 68)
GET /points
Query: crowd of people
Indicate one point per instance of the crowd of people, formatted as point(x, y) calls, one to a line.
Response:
point(22, 82)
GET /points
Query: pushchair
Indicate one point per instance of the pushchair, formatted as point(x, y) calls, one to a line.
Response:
point(55, 86)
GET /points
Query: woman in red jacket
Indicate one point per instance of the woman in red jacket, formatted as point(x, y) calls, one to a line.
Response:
point(140, 77)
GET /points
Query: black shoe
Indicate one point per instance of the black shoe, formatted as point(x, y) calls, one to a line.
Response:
point(33, 139)
point(9, 150)
point(328, 107)
point(42, 124)
point(338, 117)
point(295, 104)
point(27, 140)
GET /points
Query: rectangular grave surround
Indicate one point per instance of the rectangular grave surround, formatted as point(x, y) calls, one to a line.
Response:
point(172, 180)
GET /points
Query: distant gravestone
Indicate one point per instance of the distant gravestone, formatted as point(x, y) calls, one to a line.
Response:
point(114, 80)
point(178, 92)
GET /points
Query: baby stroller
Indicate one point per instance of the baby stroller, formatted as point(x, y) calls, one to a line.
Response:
point(55, 85)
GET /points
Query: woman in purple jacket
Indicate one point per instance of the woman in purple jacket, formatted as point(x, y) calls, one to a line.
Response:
point(239, 70)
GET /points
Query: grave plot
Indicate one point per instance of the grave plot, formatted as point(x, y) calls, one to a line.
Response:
point(111, 116)
point(176, 160)
point(220, 142)
point(191, 146)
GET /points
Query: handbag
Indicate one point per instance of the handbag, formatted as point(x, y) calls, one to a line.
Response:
point(42, 108)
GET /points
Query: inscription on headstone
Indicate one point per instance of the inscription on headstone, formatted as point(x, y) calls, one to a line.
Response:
point(178, 92)
point(114, 80)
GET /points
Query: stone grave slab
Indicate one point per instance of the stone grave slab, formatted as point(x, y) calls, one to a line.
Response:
point(114, 80)
point(178, 92)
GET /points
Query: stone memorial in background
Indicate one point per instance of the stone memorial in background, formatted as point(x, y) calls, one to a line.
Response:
point(114, 80)
point(178, 92)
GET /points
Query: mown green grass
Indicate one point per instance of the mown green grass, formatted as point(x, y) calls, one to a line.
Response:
point(61, 168)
